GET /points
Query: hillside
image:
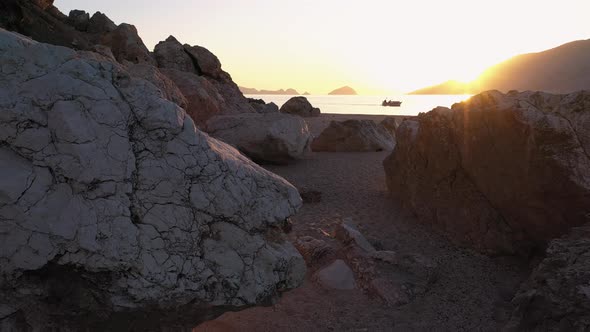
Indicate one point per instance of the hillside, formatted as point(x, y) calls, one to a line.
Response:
point(558, 70)
point(448, 87)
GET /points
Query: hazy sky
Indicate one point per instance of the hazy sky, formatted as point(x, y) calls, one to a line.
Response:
point(375, 46)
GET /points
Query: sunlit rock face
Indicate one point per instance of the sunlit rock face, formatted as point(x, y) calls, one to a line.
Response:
point(502, 173)
point(557, 295)
point(115, 212)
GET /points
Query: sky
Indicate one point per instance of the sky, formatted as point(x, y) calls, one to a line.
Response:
point(374, 46)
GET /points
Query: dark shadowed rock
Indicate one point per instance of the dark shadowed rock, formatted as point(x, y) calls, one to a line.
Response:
point(116, 213)
point(557, 295)
point(208, 64)
point(77, 30)
point(99, 23)
point(299, 106)
point(126, 45)
point(267, 138)
point(499, 173)
point(79, 19)
point(263, 107)
point(353, 136)
point(170, 54)
point(312, 249)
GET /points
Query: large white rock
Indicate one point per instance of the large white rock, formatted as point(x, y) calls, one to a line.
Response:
point(271, 137)
point(112, 203)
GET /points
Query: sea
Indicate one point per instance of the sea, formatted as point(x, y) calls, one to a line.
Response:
point(411, 104)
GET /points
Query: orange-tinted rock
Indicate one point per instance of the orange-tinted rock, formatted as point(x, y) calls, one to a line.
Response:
point(499, 173)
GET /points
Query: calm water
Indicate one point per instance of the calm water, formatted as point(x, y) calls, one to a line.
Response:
point(411, 104)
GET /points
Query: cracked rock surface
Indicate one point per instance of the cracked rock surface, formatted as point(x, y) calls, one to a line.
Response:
point(557, 295)
point(115, 212)
point(501, 173)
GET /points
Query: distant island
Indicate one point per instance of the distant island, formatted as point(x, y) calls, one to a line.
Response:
point(562, 69)
point(252, 91)
point(345, 90)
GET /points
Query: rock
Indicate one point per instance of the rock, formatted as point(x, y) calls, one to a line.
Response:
point(41, 21)
point(169, 90)
point(312, 249)
point(263, 107)
point(299, 106)
point(79, 19)
point(116, 213)
point(353, 136)
point(43, 4)
point(99, 23)
point(498, 173)
point(170, 54)
point(557, 295)
point(77, 30)
point(410, 276)
point(391, 123)
point(336, 276)
point(203, 99)
point(207, 63)
point(127, 45)
point(347, 233)
point(311, 196)
point(386, 256)
point(267, 138)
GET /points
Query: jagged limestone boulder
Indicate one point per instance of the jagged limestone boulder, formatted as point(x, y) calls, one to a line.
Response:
point(115, 212)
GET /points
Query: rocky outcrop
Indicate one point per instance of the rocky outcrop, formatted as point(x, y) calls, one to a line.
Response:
point(169, 90)
point(261, 107)
point(499, 173)
point(126, 45)
point(197, 61)
point(557, 295)
point(203, 100)
point(266, 138)
point(353, 136)
point(299, 106)
point(41, 21)
point(116, 213)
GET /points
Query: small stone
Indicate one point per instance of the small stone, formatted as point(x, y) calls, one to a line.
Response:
point(336, 276)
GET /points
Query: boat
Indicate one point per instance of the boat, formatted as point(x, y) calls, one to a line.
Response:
point(393, 103)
